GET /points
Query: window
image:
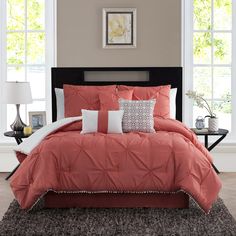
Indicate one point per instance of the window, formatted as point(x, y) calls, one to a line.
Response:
point(27, 37)
point(209, 58)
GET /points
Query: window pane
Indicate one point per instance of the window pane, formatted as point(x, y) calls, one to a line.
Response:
point(36, 77)
point(15, 48)
point(11, 114)
point(15, 14)
point(222, 14)
point(223, 111)
point(35, 14)
point(36, 48)
point(222, 82)
point(36, 106)
point(222, 48)
point(202, 80)
point(202, 48)
point(202, 14)
point(15, 73)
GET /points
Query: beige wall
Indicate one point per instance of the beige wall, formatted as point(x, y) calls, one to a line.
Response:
point(79, 34)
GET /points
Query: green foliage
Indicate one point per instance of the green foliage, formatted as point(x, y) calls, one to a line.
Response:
point(36, 48)
point(224, 4)
point(202, 41)
point(202, 14)
point(202, 21)
point(16, 11)
point(15, 48)
point(224, 105)
point(15, 15)
point(35, 14)
point(219, 46)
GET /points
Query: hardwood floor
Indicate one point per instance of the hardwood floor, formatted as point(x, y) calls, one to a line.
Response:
point(228, 193)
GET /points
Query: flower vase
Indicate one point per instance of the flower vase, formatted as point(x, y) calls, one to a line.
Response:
point(213, 124)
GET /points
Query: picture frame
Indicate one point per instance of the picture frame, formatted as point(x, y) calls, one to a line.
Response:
point(119, 28)
point(37, 119)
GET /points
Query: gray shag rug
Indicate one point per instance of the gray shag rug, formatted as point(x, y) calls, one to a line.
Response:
point(139, 221)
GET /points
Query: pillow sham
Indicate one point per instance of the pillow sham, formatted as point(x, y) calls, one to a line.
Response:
point(102, 121)
point(106, 104)
point(77, 98)
point(59, 103)
point(111, 101)
point(160, 93)
point(173, 93)
point(138, 115)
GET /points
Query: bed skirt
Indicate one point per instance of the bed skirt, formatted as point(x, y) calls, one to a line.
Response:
point(116, 200)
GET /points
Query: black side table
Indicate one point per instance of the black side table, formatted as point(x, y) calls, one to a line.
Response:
point(18, 135)
point(221, 132)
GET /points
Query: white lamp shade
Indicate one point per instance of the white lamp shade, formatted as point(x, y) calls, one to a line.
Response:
point(17, 93)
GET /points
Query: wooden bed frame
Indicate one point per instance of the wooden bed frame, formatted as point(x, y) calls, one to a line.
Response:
point(156, 76)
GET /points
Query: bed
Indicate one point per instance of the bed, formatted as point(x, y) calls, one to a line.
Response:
point(175, 196)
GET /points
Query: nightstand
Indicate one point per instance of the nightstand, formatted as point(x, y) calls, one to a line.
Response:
point(18, 135)
point(205, 132)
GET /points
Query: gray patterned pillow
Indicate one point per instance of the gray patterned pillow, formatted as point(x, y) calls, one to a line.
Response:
point(138, 115)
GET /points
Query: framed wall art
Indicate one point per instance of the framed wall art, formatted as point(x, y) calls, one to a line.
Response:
point(119, 27)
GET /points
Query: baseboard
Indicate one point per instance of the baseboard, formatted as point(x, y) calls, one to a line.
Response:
point(8, 159)
point(224, 158)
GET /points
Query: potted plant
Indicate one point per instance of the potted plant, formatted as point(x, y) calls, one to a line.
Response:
point(202, 103)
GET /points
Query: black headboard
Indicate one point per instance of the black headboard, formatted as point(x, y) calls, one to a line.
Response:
point(157, 76)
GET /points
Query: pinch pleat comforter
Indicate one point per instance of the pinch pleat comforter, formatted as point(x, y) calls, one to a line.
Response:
point(169, 160)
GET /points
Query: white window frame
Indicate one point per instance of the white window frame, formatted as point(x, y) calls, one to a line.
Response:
point(187, 63)
point(50, 60)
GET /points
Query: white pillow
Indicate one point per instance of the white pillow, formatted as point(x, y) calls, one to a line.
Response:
point(138, 115)
point(173, 93)
point(102, 121)
point(60, 103)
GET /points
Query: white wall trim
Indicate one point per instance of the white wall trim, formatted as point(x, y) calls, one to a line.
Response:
point(225, 149)
point(50, 18)
point(233, 85)
point(187, 62)
point(3, 58)
point(6, 148)
point(55, 32)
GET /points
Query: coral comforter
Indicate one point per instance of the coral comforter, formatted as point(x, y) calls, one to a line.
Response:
point(169, 160)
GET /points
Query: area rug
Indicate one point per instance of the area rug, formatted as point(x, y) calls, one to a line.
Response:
point(139, 221)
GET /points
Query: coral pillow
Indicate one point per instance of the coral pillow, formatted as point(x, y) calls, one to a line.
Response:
point(160, 93)
point(102, 121)
point(77, 98)
point(111, 101)
point(138, 115)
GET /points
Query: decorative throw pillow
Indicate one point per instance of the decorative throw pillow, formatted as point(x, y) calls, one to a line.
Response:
point(138, 115)
point(160, 93)
point(111, 101)
point(83, 97)
point(102, 121)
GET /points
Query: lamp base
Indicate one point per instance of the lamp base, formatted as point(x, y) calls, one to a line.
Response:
point(18, 124)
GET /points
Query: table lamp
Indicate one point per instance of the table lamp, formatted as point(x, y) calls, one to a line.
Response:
point(17, 93)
